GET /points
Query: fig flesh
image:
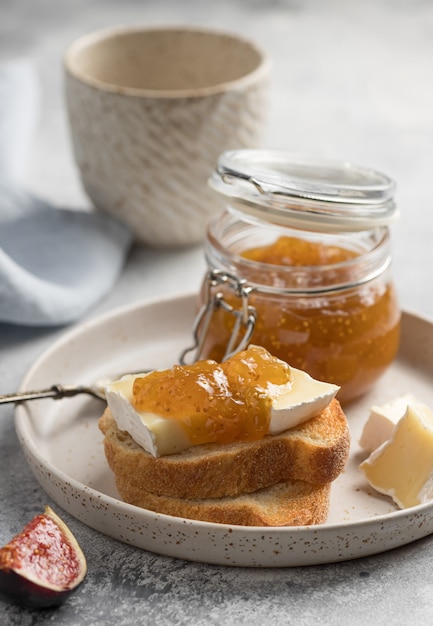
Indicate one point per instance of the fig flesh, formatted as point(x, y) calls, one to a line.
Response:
point(43, 564)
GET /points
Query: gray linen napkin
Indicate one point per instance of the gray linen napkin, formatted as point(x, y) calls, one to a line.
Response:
point(55, 263)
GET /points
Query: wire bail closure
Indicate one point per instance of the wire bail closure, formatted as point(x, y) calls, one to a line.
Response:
point(245, 315)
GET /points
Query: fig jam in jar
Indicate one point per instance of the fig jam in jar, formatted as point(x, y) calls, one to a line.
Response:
point(310, 244)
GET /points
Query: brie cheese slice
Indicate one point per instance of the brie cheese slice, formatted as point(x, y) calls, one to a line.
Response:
point(292, 404)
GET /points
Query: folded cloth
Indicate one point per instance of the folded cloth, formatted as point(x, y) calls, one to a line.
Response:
point(55, 263)
point(19, 105)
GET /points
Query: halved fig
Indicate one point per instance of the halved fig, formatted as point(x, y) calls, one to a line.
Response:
point(43, 564)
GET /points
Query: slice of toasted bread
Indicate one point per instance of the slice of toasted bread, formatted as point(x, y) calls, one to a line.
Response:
point(292, 503)
point(315, 451)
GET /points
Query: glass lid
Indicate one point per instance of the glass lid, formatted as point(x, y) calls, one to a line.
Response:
point(299, 191)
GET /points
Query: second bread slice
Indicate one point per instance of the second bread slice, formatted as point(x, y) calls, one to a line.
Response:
point(292, 503)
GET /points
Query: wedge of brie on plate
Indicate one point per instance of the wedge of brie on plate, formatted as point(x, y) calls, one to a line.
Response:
point(403, 466)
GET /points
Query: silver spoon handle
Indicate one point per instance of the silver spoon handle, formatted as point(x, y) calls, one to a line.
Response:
point(56, 392)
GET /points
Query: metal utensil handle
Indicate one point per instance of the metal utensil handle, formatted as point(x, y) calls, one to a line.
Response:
point(55, 391)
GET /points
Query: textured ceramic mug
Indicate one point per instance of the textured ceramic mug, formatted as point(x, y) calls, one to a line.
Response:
point(150, 111)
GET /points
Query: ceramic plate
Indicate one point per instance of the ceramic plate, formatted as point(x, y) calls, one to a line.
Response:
point(63, 445)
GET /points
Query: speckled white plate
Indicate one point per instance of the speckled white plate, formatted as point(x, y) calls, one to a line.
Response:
point(64, 448)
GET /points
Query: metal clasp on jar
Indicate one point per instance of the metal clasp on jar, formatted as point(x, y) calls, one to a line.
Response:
point(245, 315)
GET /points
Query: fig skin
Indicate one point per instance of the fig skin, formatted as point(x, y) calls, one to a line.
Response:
point(56, 576)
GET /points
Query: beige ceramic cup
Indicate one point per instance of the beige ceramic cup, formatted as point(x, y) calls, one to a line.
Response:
point(150, 111)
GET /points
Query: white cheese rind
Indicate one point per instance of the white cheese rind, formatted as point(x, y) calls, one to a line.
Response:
point(307, 397)
point(157, 435)
point(403, 466)
point(160, 436)
point(382, 421)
